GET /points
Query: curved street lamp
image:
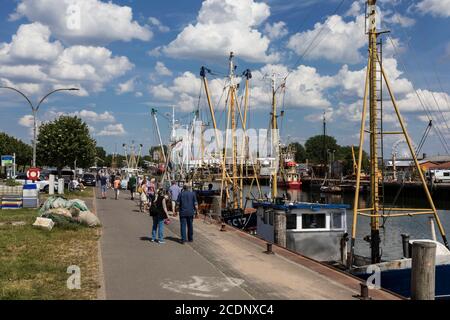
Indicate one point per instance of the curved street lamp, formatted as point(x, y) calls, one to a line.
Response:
point(35, 110)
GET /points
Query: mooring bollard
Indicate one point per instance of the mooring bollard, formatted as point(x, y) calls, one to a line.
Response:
point(269, 249)
point(405, 245)
point(223, 227)
point(423, 269)
point(364, 295)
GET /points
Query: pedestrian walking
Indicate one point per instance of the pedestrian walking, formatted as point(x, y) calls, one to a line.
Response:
point(132, 186)
point(188, 205)
point(143, 199)
point(158, 211)
point(151, 188)
point(174, 191)
point(116, 187)
point(103, 185)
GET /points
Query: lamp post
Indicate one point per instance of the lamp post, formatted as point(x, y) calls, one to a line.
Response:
point(34, 111)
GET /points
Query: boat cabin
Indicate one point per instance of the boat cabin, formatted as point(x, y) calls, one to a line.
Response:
point(312, 229)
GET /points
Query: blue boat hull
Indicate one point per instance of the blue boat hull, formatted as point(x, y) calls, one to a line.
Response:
point(399, 281)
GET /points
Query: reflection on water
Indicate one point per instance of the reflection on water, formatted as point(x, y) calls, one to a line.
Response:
point(417, 227)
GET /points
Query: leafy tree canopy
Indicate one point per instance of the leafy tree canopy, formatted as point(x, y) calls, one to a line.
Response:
point(64, 141)
point(10, 145)
point(318, 146)
point(300, 152)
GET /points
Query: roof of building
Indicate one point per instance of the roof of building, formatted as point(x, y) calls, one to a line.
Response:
point(439, 159)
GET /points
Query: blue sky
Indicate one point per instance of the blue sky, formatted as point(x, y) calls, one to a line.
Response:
point(129, 56)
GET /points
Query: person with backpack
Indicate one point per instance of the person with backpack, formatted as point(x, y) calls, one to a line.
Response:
point(158, 211)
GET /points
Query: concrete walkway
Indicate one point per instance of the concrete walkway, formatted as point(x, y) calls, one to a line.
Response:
point(135, 268)
point(217, 265)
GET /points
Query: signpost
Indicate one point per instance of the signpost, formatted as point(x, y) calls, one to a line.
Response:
point(9, 162)
point(33, 174)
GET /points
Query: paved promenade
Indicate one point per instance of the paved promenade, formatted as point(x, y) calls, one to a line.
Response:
point(217, 265)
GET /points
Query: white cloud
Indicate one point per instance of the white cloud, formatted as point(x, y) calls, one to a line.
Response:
point(318, 117)
point(155, 52)
point(184, 90)
point(222, 27)
point(156, 23)
point(125, 87)
point(399, 19)
point(84, 21)
point(335, 40)
point(161, 92)
point(30, 43)
point(113, 130)
point(352, 82)
point(92, 116)
point(276, 30)
point(355, 10)
point(31, 61)
point(437, 8)
point(162, 70)
point(305, 87)
point(27, 121)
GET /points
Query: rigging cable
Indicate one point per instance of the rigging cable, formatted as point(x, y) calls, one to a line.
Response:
point(425, 108)
point(307, 50)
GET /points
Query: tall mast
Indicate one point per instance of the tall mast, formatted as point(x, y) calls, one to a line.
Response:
point(375, 73)
point(324, 145)
point(274, 139)
point(374, 135)
point(155, 119)
point(233, 132)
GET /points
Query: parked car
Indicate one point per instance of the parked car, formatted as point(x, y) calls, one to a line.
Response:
point(439, 175)
point(66, 174)
point(42, 182)
point(88, 179)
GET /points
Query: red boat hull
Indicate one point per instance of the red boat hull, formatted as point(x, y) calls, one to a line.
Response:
point(290, 184)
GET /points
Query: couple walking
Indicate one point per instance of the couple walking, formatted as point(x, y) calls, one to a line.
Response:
point(188, 206)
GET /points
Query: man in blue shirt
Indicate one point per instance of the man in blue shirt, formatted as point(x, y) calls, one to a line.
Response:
point(103, 185)
point(174, 192)
point(188, 206)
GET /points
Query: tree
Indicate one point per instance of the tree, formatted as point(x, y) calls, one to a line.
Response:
point(10, 145)
point(300, 152)
point(345, 154)
point(318, 146)
point(100, 152)
point(64, 141)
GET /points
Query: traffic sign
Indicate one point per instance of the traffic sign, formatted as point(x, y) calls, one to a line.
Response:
point(33, 174)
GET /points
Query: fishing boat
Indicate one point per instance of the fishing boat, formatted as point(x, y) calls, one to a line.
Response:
point(230, 201)
point(289, 177)
point(316, 230)
point(395, 275)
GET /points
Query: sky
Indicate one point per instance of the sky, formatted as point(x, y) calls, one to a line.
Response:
point(128, 57)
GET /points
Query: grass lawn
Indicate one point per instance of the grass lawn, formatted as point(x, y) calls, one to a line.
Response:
point(34, 262)
point(86, 193)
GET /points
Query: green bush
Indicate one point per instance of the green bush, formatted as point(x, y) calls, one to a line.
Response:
point(11, 183)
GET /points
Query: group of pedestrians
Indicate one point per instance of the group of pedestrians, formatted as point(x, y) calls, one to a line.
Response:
point(109, 180)
point(184, 200)
point(156, 202)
